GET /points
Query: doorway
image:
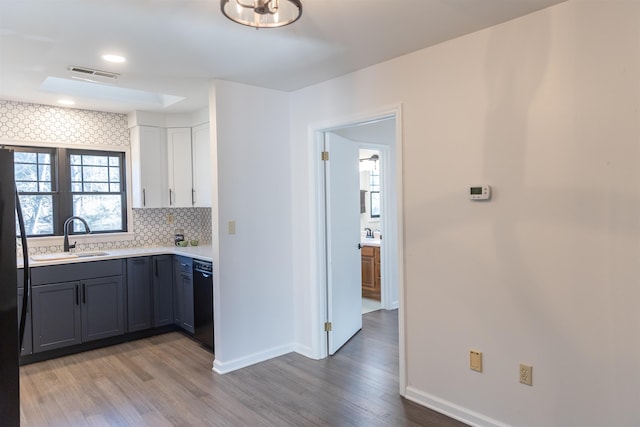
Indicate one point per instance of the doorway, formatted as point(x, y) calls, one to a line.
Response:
point(366, 133)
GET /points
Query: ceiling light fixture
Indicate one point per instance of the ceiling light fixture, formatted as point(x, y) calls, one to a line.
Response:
point(262, 13)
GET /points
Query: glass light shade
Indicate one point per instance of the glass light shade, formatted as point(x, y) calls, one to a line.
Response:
point(262, 13)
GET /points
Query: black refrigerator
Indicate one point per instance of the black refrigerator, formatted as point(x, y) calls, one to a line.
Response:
point(10, 341)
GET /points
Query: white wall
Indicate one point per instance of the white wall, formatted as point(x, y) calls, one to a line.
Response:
point(253, 282)
point(545, 108)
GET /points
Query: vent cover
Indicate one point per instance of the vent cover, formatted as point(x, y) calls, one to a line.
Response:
point(87, 73)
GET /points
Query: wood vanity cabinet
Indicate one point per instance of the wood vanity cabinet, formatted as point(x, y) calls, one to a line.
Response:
point(370, 256)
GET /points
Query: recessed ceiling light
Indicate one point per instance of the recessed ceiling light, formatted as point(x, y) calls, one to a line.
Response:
point(66, 102)
point(114, 58)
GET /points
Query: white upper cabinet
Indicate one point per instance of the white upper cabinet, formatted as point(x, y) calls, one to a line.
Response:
point(170, 167)
point(201, 148)
point(148, 176)
point(179, 168)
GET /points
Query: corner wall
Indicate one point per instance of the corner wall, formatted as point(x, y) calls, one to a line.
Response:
point(546, 109)
point(253, 287)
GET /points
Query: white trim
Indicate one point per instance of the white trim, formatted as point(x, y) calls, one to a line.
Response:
point(318, 248)
point(252, 359)
point(452, 410)
point(97, 147)
point(305, 351)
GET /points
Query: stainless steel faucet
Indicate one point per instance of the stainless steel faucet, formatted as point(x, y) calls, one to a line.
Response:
point(68, 221)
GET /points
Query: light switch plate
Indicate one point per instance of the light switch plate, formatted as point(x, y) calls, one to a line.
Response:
point(232, 227)
point(475, 360)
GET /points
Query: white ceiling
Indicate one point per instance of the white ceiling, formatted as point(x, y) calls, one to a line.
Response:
point(174, 47)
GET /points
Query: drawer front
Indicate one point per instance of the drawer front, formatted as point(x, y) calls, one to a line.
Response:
point(185, 264)
point(367, 251)
point(77, 271)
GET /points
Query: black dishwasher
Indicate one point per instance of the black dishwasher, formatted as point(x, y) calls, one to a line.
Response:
point(203, 302)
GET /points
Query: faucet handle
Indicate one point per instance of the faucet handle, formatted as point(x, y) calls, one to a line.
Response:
point(72, 246)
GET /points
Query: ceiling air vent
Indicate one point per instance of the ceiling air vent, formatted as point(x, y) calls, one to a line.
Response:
point(89, 74)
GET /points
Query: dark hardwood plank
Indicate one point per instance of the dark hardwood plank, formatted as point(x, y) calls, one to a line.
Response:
point(167, 380)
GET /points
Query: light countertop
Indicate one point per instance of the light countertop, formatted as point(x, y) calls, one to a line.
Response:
point(204, 253)
point(367, 241)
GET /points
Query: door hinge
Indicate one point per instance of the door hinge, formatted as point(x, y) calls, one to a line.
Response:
point(325, 156)
point(327, 326)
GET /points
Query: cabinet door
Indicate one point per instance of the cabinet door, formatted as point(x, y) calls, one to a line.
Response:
point(102, 308)
point(201, 147)
point(367, 274)
point(56, 316)
point(179, 167)
point(187, 313)
point(162, 290)
point(182, 270)
point(27, 346)
point(178, 293)
point(139, 293)
point(148, 167)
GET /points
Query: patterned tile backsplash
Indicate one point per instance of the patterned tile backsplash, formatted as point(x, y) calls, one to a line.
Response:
point(151, 228)
point(42, 123)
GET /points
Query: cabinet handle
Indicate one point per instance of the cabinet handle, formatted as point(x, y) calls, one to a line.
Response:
point(84, 294)
point(155, 267)
point(77, 295)
point(170, 197)
point(144, 197)
point(193, 196)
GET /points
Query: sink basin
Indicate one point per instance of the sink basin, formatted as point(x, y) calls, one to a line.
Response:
point(66, 255)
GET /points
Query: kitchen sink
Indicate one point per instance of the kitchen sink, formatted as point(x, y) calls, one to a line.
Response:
point(67, 255)
point(90, 254)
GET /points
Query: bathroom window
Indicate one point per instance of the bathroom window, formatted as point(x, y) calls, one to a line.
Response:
point(374, 193)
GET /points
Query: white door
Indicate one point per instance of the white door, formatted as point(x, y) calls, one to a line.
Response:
point(344, 277)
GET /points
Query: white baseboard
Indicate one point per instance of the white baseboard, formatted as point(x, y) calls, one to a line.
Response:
point(305, 351)
point(452, 410)
point(242, 362)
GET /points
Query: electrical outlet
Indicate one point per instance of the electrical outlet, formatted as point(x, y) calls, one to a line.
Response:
point(232, 227)
point(475, 360)
point(526, 374)
point(170, 219)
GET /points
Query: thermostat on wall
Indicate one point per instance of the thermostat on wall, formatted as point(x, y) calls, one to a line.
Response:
point(480, 192)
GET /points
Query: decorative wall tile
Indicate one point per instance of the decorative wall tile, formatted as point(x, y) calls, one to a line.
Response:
point(32, 122)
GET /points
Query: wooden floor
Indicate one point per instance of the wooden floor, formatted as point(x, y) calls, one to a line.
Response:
point(167, 381)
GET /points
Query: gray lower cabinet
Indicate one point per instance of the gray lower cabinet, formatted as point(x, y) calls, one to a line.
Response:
point(56, 316)
point(102, 308)
point(162, 290)
point(183, 293)
point(139, 293)
point(27, 346)
point(149, 292)
point(77, 303)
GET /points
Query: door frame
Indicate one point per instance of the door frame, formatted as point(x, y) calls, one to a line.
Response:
point(318, 226)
